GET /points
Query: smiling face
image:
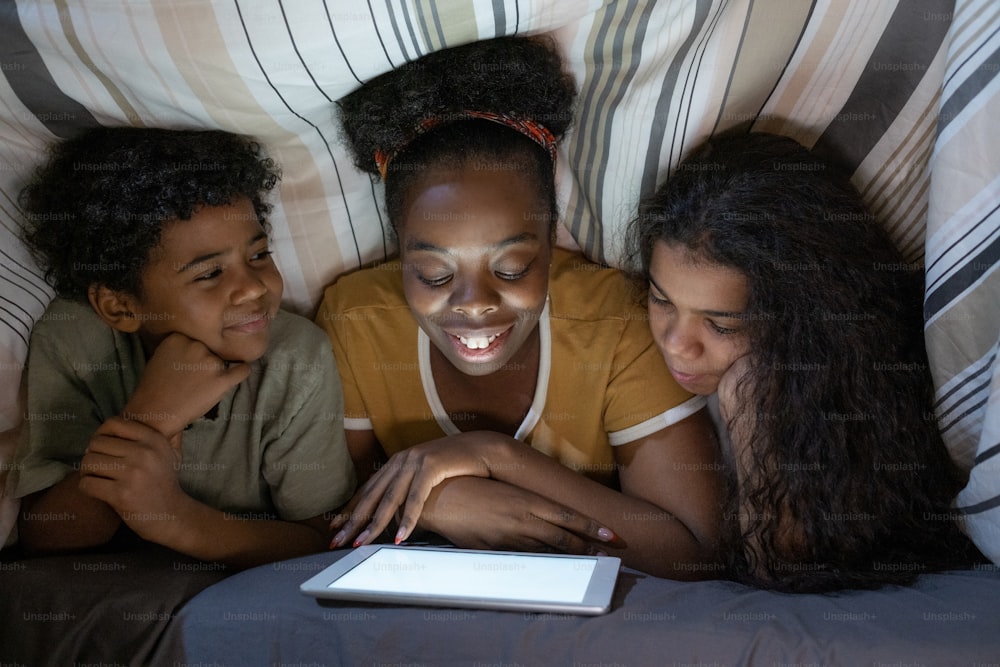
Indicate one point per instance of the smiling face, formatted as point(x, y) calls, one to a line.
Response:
point(696, 314)
point(212, 279)
point(475, 250)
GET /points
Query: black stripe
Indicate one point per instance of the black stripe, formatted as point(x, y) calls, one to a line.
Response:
point(962, 279)
point(694, 69)
point(986, 367)
point(295, 47)
point(336, 40)
point(326, 143)
point(395, 30)
point(974, 84)
point(974, 408)
point(378, 33)
point(979, 508)
point(593, 107)
point(988, 453)
point(417, 49)
point(9, 323)
point(31, 81)
point(944, 253)
point(909, 42)
point(658, 129)
point(791, 54)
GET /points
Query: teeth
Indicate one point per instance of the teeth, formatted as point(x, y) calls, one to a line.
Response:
point(480, 343)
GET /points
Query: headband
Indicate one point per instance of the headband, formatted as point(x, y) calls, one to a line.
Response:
point(534, 130)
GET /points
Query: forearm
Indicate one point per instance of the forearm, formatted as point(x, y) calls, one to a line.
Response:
point(63, 518)
point(209, 534)
point(649, 537)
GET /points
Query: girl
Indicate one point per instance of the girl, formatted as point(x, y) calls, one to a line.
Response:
point(771, 286)
point(490, 367)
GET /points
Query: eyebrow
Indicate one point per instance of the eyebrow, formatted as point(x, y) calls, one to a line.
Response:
point(207, 257)
point(732, 315)
point(417, 244)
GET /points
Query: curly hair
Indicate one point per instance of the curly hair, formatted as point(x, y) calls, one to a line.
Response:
point(97, 207)
point(517, 76)
point(843, 445)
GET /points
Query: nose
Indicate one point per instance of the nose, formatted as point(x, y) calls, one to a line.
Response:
point(248, 286)
point(474, 297)
point(679, 339)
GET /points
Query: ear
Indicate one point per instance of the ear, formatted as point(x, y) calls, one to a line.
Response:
point(115, 308)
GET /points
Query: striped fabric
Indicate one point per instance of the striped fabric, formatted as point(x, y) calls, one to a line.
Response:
point(962, 301)
point(861, 81)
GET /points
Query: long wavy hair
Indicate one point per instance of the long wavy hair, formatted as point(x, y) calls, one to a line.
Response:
point(849, 483)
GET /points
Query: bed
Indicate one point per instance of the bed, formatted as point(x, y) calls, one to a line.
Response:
point(903, 93)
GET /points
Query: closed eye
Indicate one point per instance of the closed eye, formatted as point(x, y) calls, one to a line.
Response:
point(434, 282)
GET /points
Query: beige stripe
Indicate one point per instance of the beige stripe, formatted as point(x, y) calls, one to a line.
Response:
point(66, 22)
point(972, 320)
point(771, 34)
point(458, 25)
point(198, 39)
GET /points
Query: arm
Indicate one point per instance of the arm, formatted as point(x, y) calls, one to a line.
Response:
point(64, 518)
point(132, 467)
point(666, 517)
point(478, 513)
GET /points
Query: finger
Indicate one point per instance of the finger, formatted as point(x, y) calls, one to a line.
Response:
point(102, 465)
point(569, 531)
point(127, 429)
point(359, 510)
point(235, 372)
point(100, 488)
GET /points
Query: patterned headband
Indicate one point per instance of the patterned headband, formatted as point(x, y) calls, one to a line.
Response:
point(534, 130)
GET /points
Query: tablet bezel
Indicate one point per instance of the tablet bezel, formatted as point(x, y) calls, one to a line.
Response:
point(596, 599)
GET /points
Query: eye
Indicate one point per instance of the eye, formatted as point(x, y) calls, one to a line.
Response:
point(433, 282)
point(723, 331)
point(655, 300)
point(513, 275)
point(209, 275)
point(262, 255)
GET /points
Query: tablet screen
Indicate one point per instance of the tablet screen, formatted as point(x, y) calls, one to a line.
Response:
point(448, 577)
point(417, 571)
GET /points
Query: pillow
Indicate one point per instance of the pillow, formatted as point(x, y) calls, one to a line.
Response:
point(859, 82)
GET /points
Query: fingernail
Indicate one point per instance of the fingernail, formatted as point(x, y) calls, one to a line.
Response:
point(361, 538)
point(602, 553)
point(605, 534)
point(400, 535)
point(337, 539)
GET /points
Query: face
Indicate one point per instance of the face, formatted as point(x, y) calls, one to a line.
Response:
point(212, 278)
point(696, 314)
point(475, 251)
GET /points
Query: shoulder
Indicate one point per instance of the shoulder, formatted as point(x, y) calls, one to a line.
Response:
point(294, 337)
point(72, 324)
point(378, 287)
point(580, 289)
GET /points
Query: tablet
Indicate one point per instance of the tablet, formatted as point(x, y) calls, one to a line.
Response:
point(449, 577)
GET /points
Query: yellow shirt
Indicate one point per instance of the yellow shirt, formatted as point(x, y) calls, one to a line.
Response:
point(601, 380)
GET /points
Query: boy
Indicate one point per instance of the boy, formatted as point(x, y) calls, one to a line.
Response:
point(166, 389)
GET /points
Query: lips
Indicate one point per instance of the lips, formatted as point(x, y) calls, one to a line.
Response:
point(251, 324)
point(478, 343)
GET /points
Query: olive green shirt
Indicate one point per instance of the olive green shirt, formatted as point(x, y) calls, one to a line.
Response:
point(274, 446)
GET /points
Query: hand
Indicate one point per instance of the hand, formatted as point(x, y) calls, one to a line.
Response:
point(406, 480)
point(183, 380)
point(133, 468)
point(477, 513)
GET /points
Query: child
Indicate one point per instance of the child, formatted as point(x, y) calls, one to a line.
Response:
point(770, 284)
point(166, 390)
point(491, 367)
